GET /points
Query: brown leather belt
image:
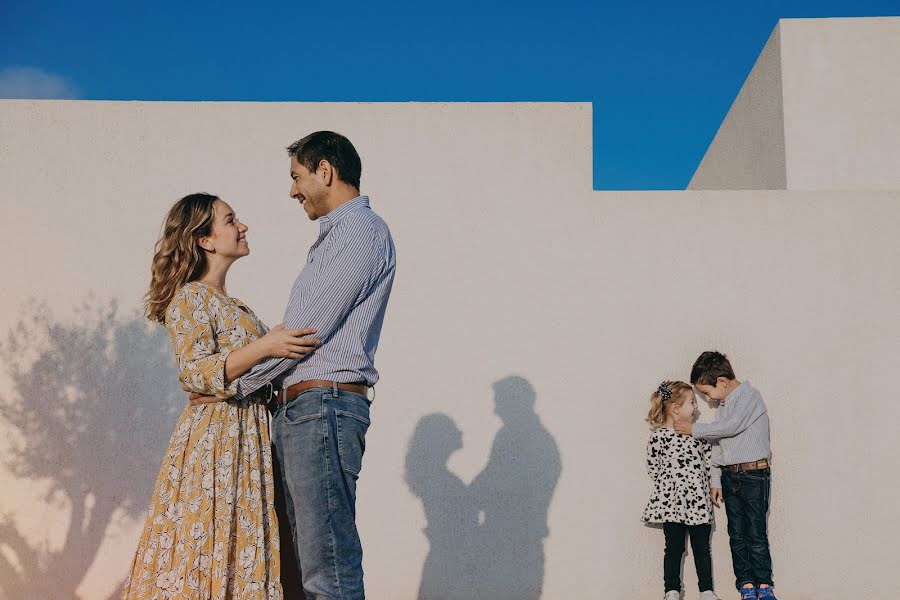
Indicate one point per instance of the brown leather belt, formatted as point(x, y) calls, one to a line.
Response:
point(750, 466)
point(298, 388)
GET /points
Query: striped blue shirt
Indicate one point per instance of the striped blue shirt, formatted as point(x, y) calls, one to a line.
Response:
point(741, 430)
point(342, 292)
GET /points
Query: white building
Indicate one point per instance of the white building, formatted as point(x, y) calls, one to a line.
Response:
point(783, 253)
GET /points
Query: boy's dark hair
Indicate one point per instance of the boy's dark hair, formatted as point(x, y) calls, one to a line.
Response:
point(709, 367)
point(330, 146)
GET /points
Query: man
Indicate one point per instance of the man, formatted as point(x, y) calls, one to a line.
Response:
point(514, 492)
point(320, 424)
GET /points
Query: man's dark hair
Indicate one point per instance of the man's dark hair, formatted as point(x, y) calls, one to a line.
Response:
point(330, 146)
point(709, 367)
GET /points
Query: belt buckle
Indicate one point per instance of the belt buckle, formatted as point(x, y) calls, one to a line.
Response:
point(268, 391)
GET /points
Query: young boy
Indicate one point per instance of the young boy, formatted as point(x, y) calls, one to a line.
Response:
point(742, 452)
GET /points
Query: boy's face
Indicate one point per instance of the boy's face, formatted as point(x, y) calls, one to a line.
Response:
point(716, 392)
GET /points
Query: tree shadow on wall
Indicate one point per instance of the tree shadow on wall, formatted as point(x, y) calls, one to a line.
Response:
point(486, 539)
point(92, 402)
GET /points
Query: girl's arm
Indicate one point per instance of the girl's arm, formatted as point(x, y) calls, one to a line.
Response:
point(201, 363)
point(652, 459)
point(278, 342)
point(208, 370)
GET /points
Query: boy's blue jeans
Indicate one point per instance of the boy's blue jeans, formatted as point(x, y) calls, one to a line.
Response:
point(319, 439)
point(746, 496)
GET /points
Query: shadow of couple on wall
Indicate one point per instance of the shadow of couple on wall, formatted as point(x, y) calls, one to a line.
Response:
point(486, 538)
point(91, 403)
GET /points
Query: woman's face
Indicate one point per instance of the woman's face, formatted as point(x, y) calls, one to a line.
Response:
point(229, 236)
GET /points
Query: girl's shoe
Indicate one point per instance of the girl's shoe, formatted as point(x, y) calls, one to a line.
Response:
point(708, 595)
point(748, 593)
point(766, 592)
point(672, 595)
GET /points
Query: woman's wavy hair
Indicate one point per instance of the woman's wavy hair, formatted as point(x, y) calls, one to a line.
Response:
point(669, 393)
point(178, 258)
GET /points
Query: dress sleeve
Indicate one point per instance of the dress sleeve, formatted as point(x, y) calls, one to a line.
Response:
point(652, 458)
point(191, 320)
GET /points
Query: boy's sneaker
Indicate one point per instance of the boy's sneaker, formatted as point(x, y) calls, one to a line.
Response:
point(748, 593)
point(672, 595)
point(708, 595)
point(766, 592)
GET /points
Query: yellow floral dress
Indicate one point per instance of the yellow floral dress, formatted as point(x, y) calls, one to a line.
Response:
point(211, 532)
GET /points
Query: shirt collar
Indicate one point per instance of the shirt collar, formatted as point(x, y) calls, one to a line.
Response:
point(332, 218)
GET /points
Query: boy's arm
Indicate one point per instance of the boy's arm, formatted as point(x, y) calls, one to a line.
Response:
point(713, 457)
point(712, 454)
point(739, 419)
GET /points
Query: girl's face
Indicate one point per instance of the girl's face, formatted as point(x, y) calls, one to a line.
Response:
point(687, 410)
point(229, 236)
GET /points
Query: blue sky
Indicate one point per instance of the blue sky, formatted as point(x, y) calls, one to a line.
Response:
point(661, 75)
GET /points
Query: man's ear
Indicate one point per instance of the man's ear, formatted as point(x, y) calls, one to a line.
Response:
point(721, 380)
point(326, 171)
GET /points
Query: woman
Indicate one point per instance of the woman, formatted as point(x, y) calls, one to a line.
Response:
point(211, 532)
point(451, 513)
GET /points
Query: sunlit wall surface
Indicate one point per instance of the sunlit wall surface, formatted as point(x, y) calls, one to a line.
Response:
point(531, 317)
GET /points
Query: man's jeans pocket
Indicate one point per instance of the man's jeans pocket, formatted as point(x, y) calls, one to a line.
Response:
point(306, 407)
point(351, 433)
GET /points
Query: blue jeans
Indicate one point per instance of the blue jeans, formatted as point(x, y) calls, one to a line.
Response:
point(746, 496)
point(319, 438)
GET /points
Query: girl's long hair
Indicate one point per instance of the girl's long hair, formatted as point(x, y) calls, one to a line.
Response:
point(178, 258)
point(677, 394)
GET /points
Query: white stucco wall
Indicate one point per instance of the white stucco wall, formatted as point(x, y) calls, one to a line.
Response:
point(508, 265)
point(747, 152)
point(818, 111)
point(840, 102)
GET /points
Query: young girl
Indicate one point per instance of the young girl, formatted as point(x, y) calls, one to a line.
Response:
point(680, 468)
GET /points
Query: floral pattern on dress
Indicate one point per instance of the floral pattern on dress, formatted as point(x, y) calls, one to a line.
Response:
point(211, 531)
